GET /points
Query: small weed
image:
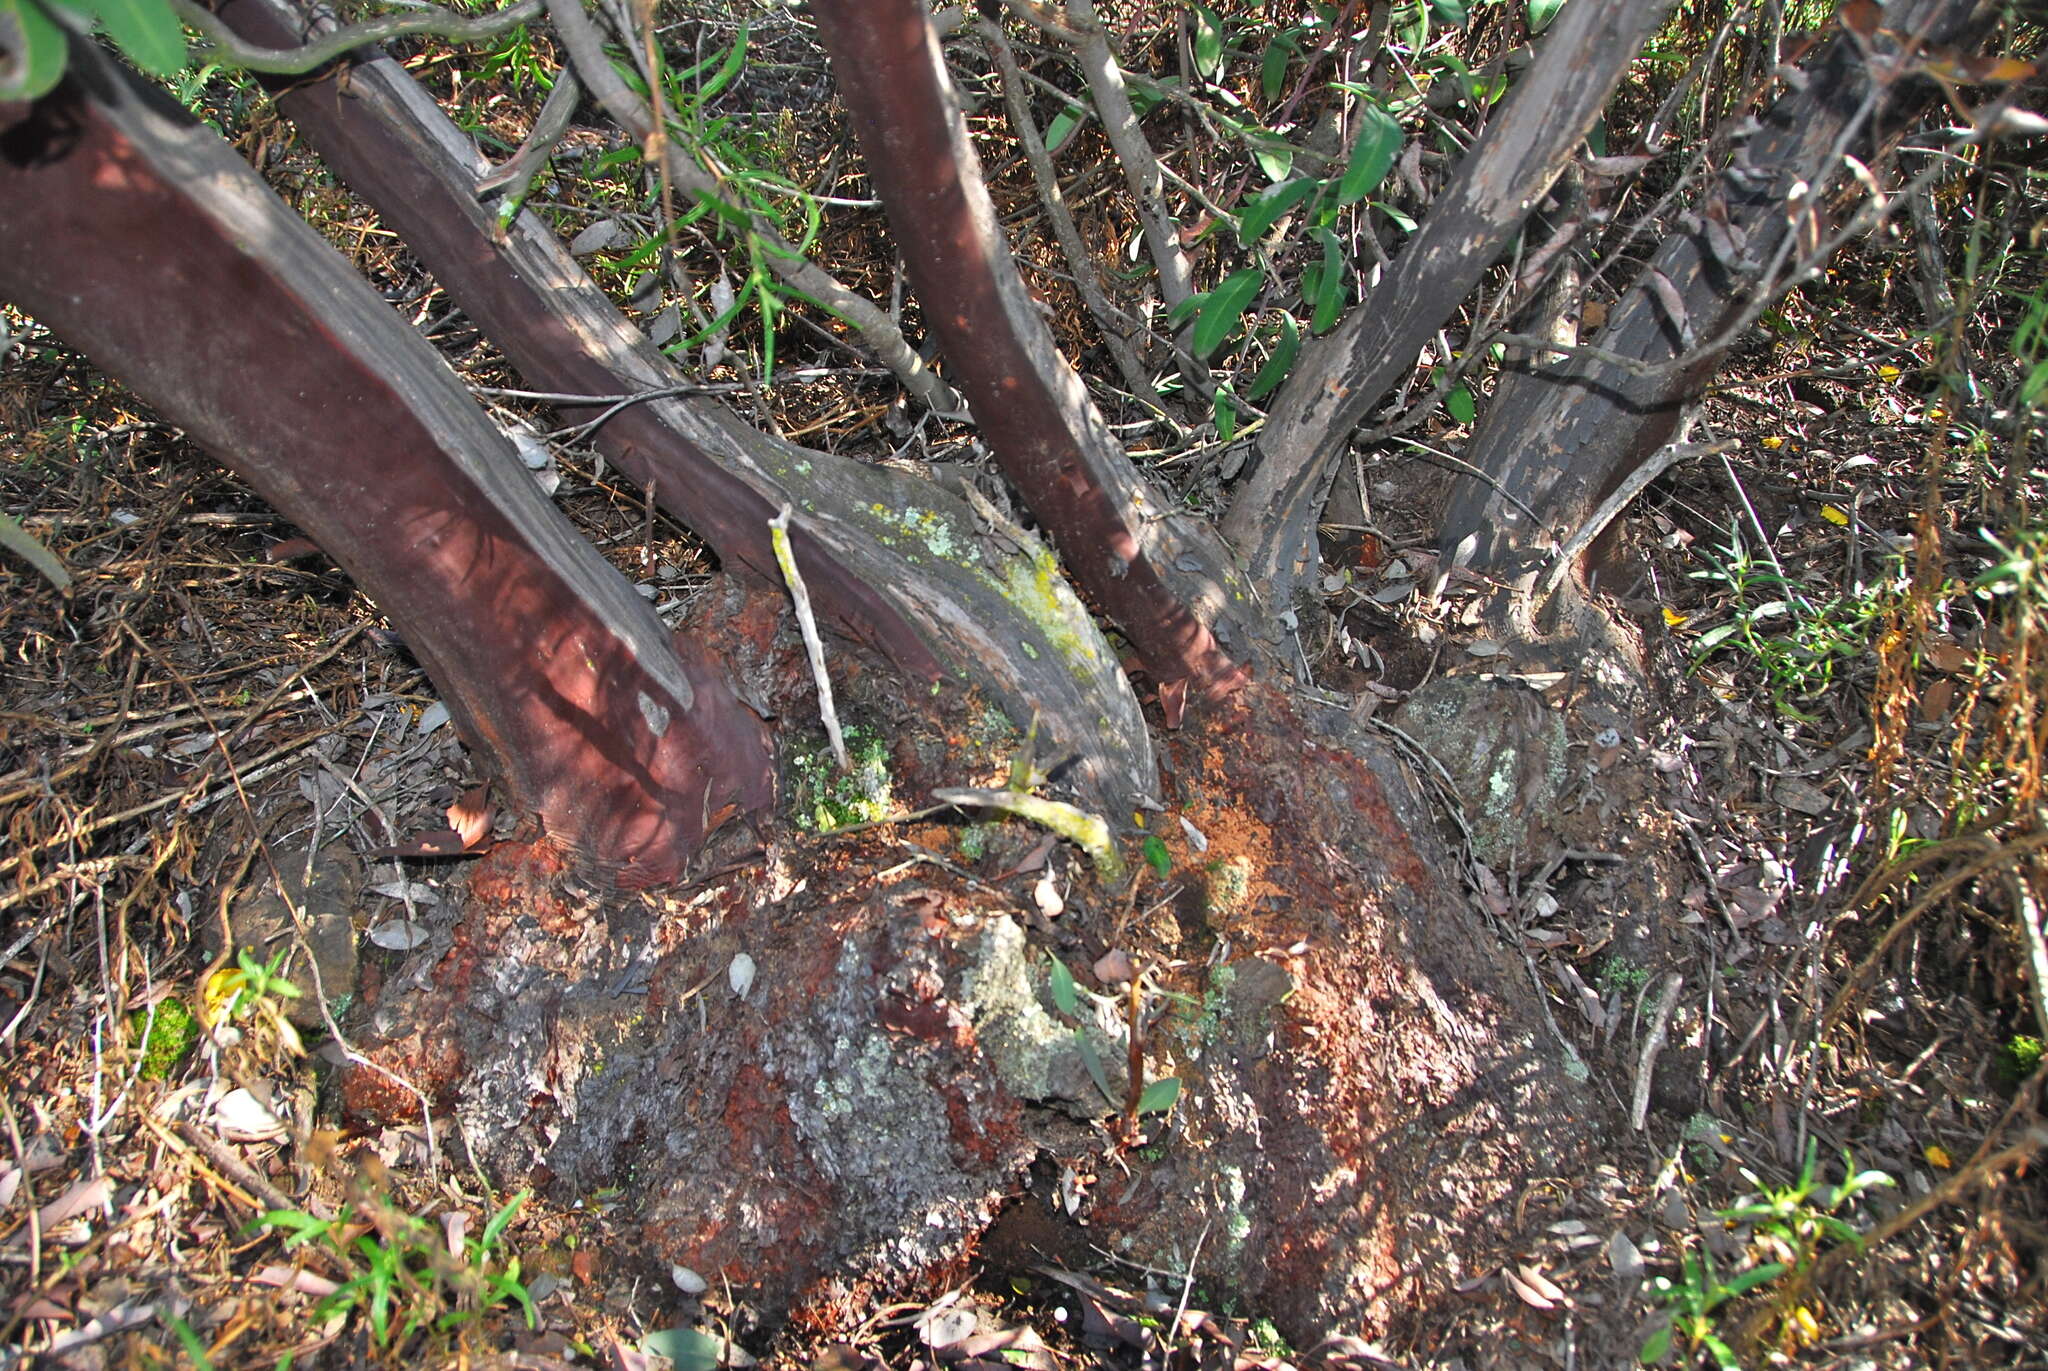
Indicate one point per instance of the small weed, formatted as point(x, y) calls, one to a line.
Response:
point(1798, 643)
point(396, 1268)
point(248, 1000)
point(1265, 1335)
point(1619, 973)
point(1791, 1223)
point(1691, 1303)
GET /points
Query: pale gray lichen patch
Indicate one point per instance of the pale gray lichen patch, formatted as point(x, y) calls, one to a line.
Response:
point(1035, 1054)
point(1504, 749)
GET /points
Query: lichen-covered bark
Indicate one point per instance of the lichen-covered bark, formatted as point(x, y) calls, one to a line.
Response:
point(1162, 578)
point(901, 564)
point(1341, 377)
point(141, 238)
point(1561, 437)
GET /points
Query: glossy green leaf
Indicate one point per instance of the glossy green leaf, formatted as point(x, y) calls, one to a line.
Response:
point(1275, 156)
point(1263, 210)
point(1279, 363)
point(1450, 12)
point(32, 51)
point(735, 58)
point(148, 31)
point(1372, 155)
point(1185, 310)
point(1459, 403)
point(1328, 301)
point(1225, 306)
point(1208, 42)
point(1160, 1095)
point(1541, 12)
point(1156, 855)
point(1063, 127)
point(1063, 989)
point(1224, 410)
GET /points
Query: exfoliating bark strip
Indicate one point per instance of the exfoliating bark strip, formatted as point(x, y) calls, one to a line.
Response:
point(141, 238)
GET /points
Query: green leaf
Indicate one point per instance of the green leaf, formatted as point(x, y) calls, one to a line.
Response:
point(734, 60)
point(1329, 293)
point(1459, 403)
point(1541, 12)
point(1273, 65)
point(1063, 127)
point(1275, 155)
point(1451, 12)
point(17, 540)
point(496, 1227)
point(1093, 1062)
point(34, 48)
point(1160, 1095)
point(147, 30)
point(687, 1349)
point(1208, 42)
point(1225, 306)
point(1752, 1278)
point(1224, 410)
point(1656, 1345)
point(1280, 363)
point(1185, 310)
point(1372, 155)
point(1063, 989)
point(1156, 855)
point(1261, 211)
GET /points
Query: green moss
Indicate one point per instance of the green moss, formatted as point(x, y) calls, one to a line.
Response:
point(167, 1034)
point(2019, 1058)
point(974, 842)
point(826, 798)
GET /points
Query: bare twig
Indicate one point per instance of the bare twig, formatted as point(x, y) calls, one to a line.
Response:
point(1660, 1030)
point(814, 646)
point(220, 40)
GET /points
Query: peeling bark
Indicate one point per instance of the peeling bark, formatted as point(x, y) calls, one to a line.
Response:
point(1161, 577)
point(901, 564)
point(630, 746)
point(1343, 376)
point(1562, 437)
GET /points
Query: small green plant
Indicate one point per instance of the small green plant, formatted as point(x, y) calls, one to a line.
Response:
point(1619, 973)
point(250, 996)
point(1691, 1303)
point(396, 1268)
point(1798, 643)
point(1792, 1223)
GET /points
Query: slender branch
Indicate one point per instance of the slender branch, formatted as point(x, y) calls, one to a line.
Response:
point(630, 112)
point(221, 41)
point(516, 174)
point(1133, 153)
point(1063, 227)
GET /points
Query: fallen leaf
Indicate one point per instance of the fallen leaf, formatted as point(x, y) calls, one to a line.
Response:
point(472, 816)
point(740, 974)
point(1625, 1257)
point(399, 935)
point(1114, 967)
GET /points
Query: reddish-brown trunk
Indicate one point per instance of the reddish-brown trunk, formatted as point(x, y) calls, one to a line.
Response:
point(143, 239)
